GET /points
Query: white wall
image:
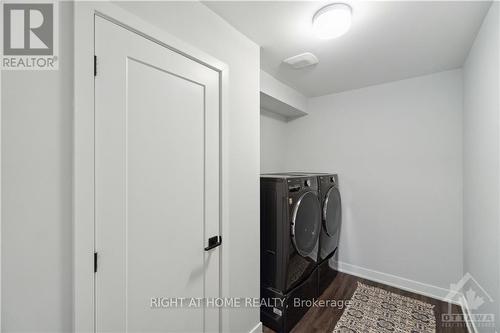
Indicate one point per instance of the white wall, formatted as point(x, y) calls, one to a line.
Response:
point(36, 172)
point(481, 161)
point(272, 142)
point(36, 193)
point(273, 125)
point(397, 148)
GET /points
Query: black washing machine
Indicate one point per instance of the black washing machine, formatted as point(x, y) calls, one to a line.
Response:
point(290, 225)
point(331, 217)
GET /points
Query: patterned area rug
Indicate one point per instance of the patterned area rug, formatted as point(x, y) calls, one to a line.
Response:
point(374, 310)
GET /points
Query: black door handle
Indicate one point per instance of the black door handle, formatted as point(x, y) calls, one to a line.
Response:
point(213, 242)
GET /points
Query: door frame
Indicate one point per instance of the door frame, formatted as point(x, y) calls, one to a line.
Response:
point(83, 143)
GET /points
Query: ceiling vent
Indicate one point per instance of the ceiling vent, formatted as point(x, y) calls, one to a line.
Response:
point(302, 60)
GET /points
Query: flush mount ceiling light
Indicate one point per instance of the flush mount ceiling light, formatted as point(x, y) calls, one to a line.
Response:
point(332, 21)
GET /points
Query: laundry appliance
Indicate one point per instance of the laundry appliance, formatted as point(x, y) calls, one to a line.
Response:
point(290, 226)
point(331, 209)
point(331, 216)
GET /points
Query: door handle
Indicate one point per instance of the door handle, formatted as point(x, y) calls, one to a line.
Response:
point(213, 242)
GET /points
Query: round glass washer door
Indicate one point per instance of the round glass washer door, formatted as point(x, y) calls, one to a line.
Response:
point(332, 211)
point(306, 223)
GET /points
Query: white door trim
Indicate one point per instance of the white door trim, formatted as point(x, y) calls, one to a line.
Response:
point(83, 162)
point(1, 183)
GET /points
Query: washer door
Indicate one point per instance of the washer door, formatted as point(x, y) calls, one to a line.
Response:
point(332, 211)
point(306, 223)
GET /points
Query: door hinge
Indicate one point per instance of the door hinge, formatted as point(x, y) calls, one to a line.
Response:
point(95, 65)
point(95, 262)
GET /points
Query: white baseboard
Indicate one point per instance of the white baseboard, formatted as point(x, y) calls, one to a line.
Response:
point(257, 328)
point(396, 281)
point(471, 325)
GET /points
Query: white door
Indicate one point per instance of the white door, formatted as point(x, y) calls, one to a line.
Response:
point(157, 185)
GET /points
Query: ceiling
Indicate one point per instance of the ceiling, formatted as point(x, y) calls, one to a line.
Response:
point(388, 41)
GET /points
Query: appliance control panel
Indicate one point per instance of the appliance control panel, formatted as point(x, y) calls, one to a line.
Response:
point(328, 180)
point(299, 183)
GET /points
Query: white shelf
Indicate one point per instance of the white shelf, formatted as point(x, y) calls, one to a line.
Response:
point(274, 105)
point(280, 99)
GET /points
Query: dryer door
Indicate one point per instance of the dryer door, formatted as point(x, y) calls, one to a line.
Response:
point(332, 211)
point(306, 223)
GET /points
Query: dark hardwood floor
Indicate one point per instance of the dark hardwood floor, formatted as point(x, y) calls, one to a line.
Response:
point(323, 319)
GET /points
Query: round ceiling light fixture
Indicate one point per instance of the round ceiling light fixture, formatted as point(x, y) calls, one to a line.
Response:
point(332, 21)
